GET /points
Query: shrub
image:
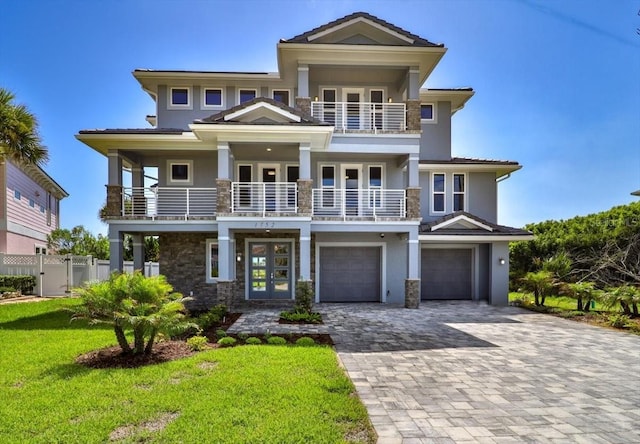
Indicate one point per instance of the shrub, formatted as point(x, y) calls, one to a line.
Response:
point(220, 333)
point(309, 318)
point(24, 283)
point(618, 320)
point(304, 297)
point(7, 290)
point(243, 336)
point(197, 343)
point(305, 341)
point(145, 305)
point(212, 317)
point(253, 341)
point(227, 341)
point(276, 340)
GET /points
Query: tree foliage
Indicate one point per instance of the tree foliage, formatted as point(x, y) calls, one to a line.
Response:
point(145, 305)
point(78, 241)
point(19, 138)
point(602, 247)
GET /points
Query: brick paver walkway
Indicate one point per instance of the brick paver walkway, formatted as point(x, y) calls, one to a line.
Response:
point(466, 372)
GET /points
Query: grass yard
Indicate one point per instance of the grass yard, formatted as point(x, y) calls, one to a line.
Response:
point(561, 302)
point(247, 394)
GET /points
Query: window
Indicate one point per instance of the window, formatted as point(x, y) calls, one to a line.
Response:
point(328, 174)
point(375, 186)
point(376, 96)
point(42, 209)
point(212, 260)
point(329, 107)
point(282, 96)
point(180, 171)
point(247, 94)
point(41, 250)
point(49, 197)
point(16, 194)
point(212, 97)
point(426, 112)
point(32, 203)
point(245, 177)
point(458, 192)
point(438, 193)
point(293, 174)
point(180, 97)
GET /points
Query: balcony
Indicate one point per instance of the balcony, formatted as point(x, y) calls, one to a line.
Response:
point(264, 198)
point(362, 116)
point(168, 202)
point(359, 203)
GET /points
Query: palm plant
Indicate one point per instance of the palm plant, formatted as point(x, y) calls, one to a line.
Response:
point(540, 283)
point(627, 296)
point(145, 305)
point(19, 138)
point(583, 292)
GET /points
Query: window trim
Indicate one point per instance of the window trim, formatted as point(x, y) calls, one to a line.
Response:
point(434, 192)
point(324, 187)
point(40, 249)
point(171, 105)
point(171, 181)
point(282, 89)
point(32, 203)
point(255, 90)
point(434, 113)
point(463, 193)
point(17, 195)
point(203, 102)
point(208, 278)
point(371, 203)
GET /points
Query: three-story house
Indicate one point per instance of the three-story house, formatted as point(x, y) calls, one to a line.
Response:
point(336, 169)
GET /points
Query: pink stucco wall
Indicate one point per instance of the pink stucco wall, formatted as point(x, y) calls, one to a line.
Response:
point(19, 244)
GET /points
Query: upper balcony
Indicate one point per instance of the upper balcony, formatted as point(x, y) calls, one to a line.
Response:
point(365, 117)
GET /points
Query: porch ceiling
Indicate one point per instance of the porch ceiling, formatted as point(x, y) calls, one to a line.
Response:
point(265, 152)
point(346, 75)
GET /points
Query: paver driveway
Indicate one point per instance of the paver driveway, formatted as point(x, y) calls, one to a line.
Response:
point(468, 372)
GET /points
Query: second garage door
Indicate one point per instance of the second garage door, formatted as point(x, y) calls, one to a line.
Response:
point(446, 273)
point(349, 274)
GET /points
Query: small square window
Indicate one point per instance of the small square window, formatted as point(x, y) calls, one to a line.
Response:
point(213, 97)
point(426, 112)
point(41, 209)
point(281, 96)
point(180, 96)
point(179, 172)
point(16, 194)
point(32, 203)
point(247, 94)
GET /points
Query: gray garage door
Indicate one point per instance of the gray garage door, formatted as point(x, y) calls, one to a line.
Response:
point(446, 273)
point(349, 274)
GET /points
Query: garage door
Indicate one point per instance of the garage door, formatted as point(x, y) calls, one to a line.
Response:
point(446, 273)
point(350, 274)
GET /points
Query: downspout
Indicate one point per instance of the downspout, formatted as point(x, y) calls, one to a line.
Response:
point(500, 179)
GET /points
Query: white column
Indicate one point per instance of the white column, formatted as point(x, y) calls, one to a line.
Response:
point(223, 160)
point(115, 167)
point(305, 161)
point(413, 91)
point(499, 267)
point(413, 179)
point(305, 253)
point(303, 80)
point(224, 269)
point(413, 254)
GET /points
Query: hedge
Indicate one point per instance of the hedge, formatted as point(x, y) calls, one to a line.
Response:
point(23, 283)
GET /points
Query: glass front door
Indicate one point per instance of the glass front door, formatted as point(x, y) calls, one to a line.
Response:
point(270, 270)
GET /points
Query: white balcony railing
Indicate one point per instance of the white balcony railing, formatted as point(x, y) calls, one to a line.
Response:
point(345, 203)
point(362, 116)
point(168, 201)
point(264, 197)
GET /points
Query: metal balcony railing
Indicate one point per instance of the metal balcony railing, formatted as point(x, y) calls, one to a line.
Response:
point(372, 202)
point(362, 116)
point(168, 201)
point(264, 197)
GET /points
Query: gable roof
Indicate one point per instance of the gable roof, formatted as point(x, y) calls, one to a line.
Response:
point(463, 224)
point(270, 111)
point(636, 193)
point(411, 39)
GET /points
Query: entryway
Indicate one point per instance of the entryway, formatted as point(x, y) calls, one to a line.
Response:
point(270, 270)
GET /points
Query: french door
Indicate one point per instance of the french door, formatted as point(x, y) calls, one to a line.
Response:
point(270, 270)
point(353, 113)
point(352, 175)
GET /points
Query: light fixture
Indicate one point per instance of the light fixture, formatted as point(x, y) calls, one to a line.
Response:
point(315, 99)
point(501, 261)
point(382, 235)
point(239, 257)
point(269, 149)
point(390, 100)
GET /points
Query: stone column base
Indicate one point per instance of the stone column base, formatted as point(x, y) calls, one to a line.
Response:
point(226, 292)
point(411, 293)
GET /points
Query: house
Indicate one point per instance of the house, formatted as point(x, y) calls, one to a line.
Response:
point(335, 169)
point(29, 208)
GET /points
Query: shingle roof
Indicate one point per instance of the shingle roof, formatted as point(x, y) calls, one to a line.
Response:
point(417, 40)
point(500, 230)
point(135, 131)
point(469, 160)
point(219, 117)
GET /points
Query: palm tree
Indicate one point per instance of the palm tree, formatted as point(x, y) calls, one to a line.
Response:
point(19, 138)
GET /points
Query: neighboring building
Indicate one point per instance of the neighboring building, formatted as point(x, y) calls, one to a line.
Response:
point(29, 208)
point(337, 169)
point(636, 193)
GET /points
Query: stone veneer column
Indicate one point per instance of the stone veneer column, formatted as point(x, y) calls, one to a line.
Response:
point(223, 196)
point(304, 105)
point(413, 203)
point(226, 293)
point(411, 293)
point(114, 201)
point(305, 196)
point(413, 115)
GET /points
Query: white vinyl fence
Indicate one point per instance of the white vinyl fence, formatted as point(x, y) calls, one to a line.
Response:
point(57, 275)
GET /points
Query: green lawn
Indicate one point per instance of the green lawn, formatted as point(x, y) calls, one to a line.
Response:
point(250, 394)
point(561, 302)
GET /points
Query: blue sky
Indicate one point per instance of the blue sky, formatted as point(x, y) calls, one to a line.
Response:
point(557, 82)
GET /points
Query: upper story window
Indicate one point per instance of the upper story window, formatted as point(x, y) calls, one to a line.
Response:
point(32, 203)
point(17, 195)
point(212, 97)
point(282, 96)
point(375, 185)
point(180, 97)
point(427, 112)
point(459, 191)
point(244, 95)
point(438, 190)
point(180, 172)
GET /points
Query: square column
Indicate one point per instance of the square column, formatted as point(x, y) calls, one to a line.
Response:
point(116, 244)
point(138, 251)
point(224, 160)
point(303, 80)
point(499, 285)
point(412, 283)
point(224, 254)
point(305, 253)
